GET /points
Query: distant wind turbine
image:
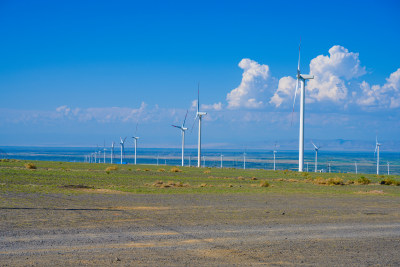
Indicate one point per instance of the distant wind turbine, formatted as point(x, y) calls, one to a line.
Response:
point(221, 160)
point(302, 79)
point(199, 115)
point(388, 168)
point(122, 148)
point(377, 146)
point(183, 129)
point(104, 150)
point(274, 157)
point(135, 138)
point(244, 160)
point(112, 151)
point(316, 155)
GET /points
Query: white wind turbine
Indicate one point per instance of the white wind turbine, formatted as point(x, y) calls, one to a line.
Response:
point(316, 156)
point(112, 151)
point(377, 146)
point(122, 148)
point(135, 138)
point(199, 115)
point(302, 79)
point(104, 150)
point(183, 129)
point(274, 156)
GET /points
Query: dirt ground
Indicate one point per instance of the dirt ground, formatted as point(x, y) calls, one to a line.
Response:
point(106, 228)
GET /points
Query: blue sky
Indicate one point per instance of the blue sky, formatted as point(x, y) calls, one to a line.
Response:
point(81, 72)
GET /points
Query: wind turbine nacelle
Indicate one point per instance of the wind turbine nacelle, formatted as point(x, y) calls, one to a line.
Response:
point(183, 128)
point(306, 76)
point(201, 113)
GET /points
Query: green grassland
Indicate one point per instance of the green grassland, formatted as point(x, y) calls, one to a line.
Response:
point(78, 178)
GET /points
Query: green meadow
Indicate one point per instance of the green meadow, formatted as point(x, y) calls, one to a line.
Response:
point(82, 178)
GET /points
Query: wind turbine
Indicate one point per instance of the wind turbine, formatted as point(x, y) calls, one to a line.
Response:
point(122, 148)
point(355, 164)
point(135, 138)
point(221, 160)
point(104, 150)
point(112, 151)
point(377, 145)
point(274, 156)
point(388, 168)
point(183, 129)
point(302, 79)
point(199, 115)
point(244, 160)
point(316, 155)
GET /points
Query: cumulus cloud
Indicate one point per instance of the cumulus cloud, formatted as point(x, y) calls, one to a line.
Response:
point(331, 73)
point(286, 89)
point(251, 91)
point(386, 96)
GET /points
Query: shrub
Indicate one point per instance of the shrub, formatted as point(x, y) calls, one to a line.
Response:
point(161, 170)
point(30, 166)
point(335, 181)
point(389, 181)
point(264, 184)
point(175, 169)
point(207, 171)
point(363, 180)
point(146, 170)
point(111, 168)
point(254, 179)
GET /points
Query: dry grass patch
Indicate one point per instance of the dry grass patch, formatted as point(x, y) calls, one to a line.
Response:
point(112, 168)
point(30, 166)
point(373, 192)
point(254, 179)
point(264, 184)
point(161, 170)
point(207, 171)
point(175, 169)
point(161, 184)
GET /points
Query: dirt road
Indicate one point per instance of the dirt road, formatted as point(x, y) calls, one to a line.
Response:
point(198, 230)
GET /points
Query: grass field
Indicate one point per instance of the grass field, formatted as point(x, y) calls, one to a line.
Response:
point(77, 178)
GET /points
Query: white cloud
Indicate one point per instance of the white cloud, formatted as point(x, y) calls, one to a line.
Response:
point(64, 110)
point(215, 106)
point(251, 91)
point(286, 89)
point(331, 73)
point(386, 96)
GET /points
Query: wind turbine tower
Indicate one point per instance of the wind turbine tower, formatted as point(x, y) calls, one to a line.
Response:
point(183, 129)
point(135, 138)
point(302, 79)
point(377, 146)
point(316, 156)
point(122, 148)
point(274, 157)
point(112, 151)
point(199, 115)
point(221, 160)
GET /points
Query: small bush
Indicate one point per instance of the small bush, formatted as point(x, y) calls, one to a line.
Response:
point(111, 168)
point(146, 170)
point(30, 166)
point(175, 169)
point(264, 184)
point(254, 179)
point(207, 171)
point(203, 185)
point(335, 181)
point(389, 181)
point(363, 180)
point(161, 170)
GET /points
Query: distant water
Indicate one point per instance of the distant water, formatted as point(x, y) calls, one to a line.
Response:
point(255, 159)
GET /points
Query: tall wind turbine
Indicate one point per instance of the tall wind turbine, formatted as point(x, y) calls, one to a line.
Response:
point(302, 79)
point(183, 129)
point(112, 151)
point(377, 145)
point(122, 148)
point(104, 150)
point(199, 115)
point(135, 138)
point(316, 156)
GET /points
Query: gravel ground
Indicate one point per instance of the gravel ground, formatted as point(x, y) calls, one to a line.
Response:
point(198, 230)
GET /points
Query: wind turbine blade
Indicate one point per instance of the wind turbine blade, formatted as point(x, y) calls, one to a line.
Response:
point(136, 128)
point(179, 127)
point(183, 125)
point(298, 63)
point(314, 145)
point(294, 99)
point(191, 129)
point(125, 139)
